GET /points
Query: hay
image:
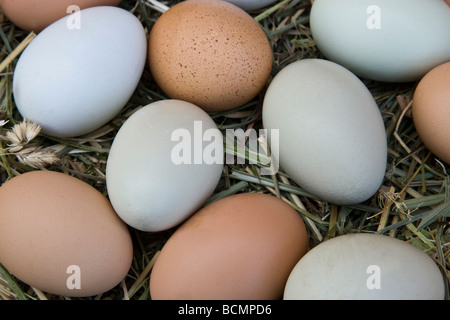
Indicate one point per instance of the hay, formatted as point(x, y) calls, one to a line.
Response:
point(412, 204)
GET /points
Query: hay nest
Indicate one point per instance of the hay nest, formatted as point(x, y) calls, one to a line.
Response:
point(411, 205)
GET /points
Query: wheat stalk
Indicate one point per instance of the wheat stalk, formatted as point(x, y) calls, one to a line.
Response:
point(19, 139)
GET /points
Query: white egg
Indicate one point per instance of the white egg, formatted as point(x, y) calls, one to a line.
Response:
point(332, 139)
point(251, 4)
point(365, 267)
point(78, 73)
point(384, 40)
point(164, 163)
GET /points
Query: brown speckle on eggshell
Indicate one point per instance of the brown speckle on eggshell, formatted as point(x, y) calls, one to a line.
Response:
point(210, 53)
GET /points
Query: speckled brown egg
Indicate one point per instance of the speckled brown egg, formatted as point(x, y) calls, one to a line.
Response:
point(210, 53)
point(240, 247)
point(35, 15)
point(61, 235)
point(431, 111)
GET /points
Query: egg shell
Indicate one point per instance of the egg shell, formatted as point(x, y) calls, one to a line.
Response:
point(431, 111)
point(210, 53)
point(377, 39)
point(251, 4)
point(150, 185)
point(36, 15)
point(365, 267)
point(73, 81)
point(50, 221)
point(332, 139)
point(239, 247)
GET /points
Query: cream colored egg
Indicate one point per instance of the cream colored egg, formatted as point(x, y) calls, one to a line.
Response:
point(164, 163)
point(332, 139)
point(365, 267)
point(378, 39)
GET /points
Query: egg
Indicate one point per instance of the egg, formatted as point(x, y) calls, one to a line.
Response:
point(377, 39)
point(251, 4)
point(239, 247)
point(330, 133)
point(210, 53)
point(365, 266)
point(72, 81)
point(61, 235)
point(164, 163)
point(36, 15)
point(431, 110)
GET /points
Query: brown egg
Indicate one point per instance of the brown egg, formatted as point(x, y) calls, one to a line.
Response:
point(35, 15)
point(431, 111)
point(240, 247)
point(210, 53)
point(60, 235)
